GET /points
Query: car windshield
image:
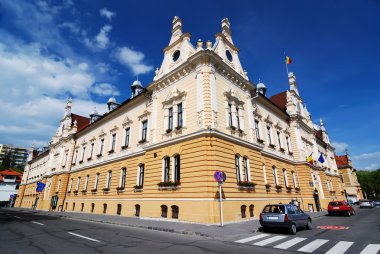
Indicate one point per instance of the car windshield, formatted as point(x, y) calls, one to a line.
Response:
point(335, 203)
point(274, 209)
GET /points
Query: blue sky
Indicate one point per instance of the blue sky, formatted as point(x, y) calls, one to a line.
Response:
point(90, 50)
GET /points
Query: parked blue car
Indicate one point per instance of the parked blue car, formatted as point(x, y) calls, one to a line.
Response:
point(284, 216)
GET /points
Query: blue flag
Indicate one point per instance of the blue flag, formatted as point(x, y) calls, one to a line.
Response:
point(321, 159)
point(40, 186)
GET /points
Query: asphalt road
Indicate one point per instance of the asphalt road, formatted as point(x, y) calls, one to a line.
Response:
point(27, 232)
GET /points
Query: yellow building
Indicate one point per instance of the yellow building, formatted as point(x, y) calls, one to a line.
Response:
point(154, 155)
point(351, 186)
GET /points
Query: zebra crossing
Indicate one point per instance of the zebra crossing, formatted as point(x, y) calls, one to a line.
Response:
point(306, 245)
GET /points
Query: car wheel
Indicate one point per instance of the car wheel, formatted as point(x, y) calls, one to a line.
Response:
point(309, 226)
point(263, 229)
point(293, 229)
point(349, 214)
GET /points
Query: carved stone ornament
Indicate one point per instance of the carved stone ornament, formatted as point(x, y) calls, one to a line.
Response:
point(268, 119)
point(114, 129)
point(231, 95)
point(127, 121)
point(102, 133)
point(84, 141)
point(144, 115)
point(257, 111)
point(174, 95)
point(278, 125)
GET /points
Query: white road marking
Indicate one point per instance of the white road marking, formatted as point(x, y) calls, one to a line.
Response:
point(35, 222)
point(371, 249)
point(17, 217)
point(340, 248)
point(251, 238)
point(290, 243)
point(313, 245)
point(85, 237)
point(270, 240)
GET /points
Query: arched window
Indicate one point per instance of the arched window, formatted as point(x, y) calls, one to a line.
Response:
point(243, 209)
point(175, 212)
point(251, 209)
point(118, 209)
point(166, 170)
point(177, 168)
point(137, 210)
point(164, 211)
point(82, 207)
point(237, 166)
point(92, 207)
point(104, 208)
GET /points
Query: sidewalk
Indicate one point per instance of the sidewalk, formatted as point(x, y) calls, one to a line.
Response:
point(213, 231)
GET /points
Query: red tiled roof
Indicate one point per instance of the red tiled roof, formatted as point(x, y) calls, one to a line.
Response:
point(341, 161)
point(10, 172)
point(82, 121)
point(280, 100)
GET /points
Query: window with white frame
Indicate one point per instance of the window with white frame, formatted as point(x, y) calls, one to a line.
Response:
point(275, 175)
point(109, 178)
point(327, 186)
point(265, 174)
point(101, 147)
point(113, 142)
point(83, 153)
point(91, 150)
point(257, 130)
point(288, 144)
point(75, 157)
point(237, 119)
point(122, 177)
point(66, 156)
point(140, 176)
point(166, 172)
point(269, 135)
point(179, 116)
point(285, 177)
point(177, 168)
point(246, 169)
point(230, 124)
point(170, 119)
point(127, 136)
point(144, 132)
point(86, 183)
point(279, 139)
point(96, 181)
point(78, 183)
point(237, 167)
point(71, 184)
point(294, 179)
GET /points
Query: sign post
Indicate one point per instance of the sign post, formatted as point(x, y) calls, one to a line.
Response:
point(220, 177)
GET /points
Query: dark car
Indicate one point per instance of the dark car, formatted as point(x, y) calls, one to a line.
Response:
point(377, 202)
point(340, 207)
point(284, 216)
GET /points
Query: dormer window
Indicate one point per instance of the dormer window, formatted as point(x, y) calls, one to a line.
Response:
point(176, 55)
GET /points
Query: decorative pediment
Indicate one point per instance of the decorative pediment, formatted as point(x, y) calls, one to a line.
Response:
point(144, 115)
point(232, 95)
point(257, 111)
point(278, 125)
point(287, 131)
point(114, 129)
point(102, 133)
point(92, 139)
point(127, 121)
point(84, 142)
point(268, 119)
point(174, 95)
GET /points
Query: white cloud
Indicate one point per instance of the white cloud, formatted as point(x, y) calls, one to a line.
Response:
point(100, 41)
point(340, 147)
point(106, 13)
point(34, 88)
point(133, 60)
point(72, 27)
point(367, 161)
point(105, 89)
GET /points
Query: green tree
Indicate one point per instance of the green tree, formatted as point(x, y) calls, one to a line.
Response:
point(370, 182)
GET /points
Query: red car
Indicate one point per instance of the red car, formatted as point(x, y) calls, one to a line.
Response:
point(340, 207)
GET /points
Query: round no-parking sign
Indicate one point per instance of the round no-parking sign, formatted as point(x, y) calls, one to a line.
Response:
point(219, 176)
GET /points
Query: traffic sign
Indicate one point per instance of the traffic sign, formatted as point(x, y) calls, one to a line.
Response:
point(218, 176)
point(11, 196)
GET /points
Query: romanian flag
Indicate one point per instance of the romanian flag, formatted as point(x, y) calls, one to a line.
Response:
point(288, 60)
point(310, 159)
